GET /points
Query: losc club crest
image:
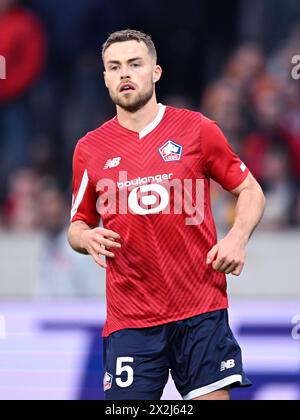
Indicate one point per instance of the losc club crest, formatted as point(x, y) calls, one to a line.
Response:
point(171, 151)
point(107, 381)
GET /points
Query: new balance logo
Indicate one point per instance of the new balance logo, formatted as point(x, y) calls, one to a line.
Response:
point(230, 364)
point(112, 163)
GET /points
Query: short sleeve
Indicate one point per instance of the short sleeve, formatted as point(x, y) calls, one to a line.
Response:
point(220, 162)
point(84, 195)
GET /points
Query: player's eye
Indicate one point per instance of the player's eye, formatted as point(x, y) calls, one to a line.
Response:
point(136, 65)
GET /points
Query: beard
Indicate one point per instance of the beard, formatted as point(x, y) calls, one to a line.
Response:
point(134, 101)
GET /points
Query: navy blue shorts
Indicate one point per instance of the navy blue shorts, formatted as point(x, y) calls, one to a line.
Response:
point(201, 353)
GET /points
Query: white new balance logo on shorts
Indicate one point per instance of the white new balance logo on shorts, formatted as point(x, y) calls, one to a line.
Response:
point(229, 364)
point(112, 163)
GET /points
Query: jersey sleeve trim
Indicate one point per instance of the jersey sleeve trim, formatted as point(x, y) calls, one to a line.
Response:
point(80, 195)
point(244, 174)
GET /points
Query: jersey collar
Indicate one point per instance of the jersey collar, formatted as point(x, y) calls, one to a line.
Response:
point(152, 126)
point(147, 130)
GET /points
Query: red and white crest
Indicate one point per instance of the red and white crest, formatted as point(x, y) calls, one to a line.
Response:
point(171, 151)
point(107, 381)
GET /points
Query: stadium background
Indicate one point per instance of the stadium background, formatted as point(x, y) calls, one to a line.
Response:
point(232, 61)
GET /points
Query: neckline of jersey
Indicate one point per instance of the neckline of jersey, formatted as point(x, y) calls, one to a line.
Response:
point(150, 127)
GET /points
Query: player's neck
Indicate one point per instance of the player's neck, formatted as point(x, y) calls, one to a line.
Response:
point(139, 120)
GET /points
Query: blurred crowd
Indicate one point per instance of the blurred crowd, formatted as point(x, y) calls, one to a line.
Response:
point(257, 103)
point(54, 94)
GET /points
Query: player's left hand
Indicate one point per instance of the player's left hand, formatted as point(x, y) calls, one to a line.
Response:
point(228, 256)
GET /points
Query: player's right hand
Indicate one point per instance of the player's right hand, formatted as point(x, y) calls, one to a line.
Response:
point(98, 242)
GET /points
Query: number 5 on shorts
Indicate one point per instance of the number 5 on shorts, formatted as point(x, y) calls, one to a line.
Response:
point(124, 368)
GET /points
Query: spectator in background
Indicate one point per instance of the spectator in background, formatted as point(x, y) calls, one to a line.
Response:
point(223, 102)
point(52, 208)
point(22, 43)
point(257, 105)
point(253, 97)
point(72, 98)
point(268, 108)
point(245, 64)
point(279, 67)
point(278, 189)
point(272, 147)
point(61, 270)
point(296, 213)
point(20, 206)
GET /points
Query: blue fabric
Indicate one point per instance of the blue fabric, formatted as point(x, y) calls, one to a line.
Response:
point(199, 352)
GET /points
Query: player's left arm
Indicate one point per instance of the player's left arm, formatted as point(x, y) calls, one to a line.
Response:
point(228, 256)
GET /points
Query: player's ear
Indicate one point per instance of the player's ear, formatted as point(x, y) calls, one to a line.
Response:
point(157, 73)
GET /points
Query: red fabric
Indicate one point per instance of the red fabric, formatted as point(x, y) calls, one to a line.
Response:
point(294, 151)
point(255, 149)
point(160, 274)
point(220, 162)
point(258, 144)
point(22, 43)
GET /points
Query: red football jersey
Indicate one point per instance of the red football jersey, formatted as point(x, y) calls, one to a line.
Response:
point(153, 189)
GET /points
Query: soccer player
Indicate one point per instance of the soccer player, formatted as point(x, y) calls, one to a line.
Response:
point(146, 174)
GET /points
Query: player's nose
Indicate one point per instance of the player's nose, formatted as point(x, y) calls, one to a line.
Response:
point(124, 73)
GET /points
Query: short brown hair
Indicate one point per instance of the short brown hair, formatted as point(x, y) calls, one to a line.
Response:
point(130, 35)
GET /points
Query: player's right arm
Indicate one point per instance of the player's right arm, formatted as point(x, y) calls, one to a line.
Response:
point(84, 235)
